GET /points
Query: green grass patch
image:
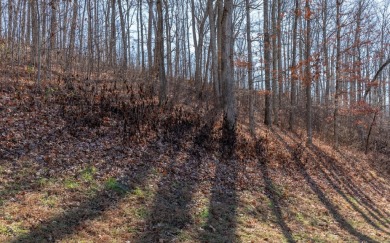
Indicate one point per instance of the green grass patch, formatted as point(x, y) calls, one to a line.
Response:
point(49, 201)
point(141, 212)
point(113, 185)
point(15, 229)
point(204, 214)
point(71, 184)
point(88, 173)
point(138, 192)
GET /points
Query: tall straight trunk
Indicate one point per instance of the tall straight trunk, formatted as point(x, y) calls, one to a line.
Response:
point(219, 11)
point(35, 30)
point(325, 50)
point(275, 92)
point(123, 34)
point(189, 51)
point(96, 42)
point(198, 44)
point(279, 52)
point(43, 24)
point(53, 31)
point(39, 41)
point(65, 26)
point(69, 59)
point(177, 46)
point(142, 36)
point(250, 66)
point(23, 23)
point(338, 60)
point(213, 46)
point(14, 27)
point(29, 23)
point(160, 52)
point(81, 37)
point(138, 37)
point(267, 60)
point(107, 32)
point(168, 39)
point(357, 55)
point(150, 29)
point(113, 35)
point(226, 31)
point(1, 18)
point(90, 39)
point(10, 20)
point(294, 67)
point(308, 75)
point(53, 25)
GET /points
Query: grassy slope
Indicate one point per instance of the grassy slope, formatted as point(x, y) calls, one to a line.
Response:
point(55, 186)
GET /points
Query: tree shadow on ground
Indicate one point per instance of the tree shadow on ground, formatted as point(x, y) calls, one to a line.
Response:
point(343, 184)
point(65, 224)
point(221, 221)
point(270, 190)
point(345, 187)
point(297, 158)
point(170, 212)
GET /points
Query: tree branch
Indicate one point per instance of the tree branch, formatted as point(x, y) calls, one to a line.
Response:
point(368, 89)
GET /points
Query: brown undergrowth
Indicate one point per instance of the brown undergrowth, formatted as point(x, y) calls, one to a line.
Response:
point(104, 162)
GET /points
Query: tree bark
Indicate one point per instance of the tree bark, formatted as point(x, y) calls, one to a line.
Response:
point(308, 75)
point(70, 58)
point(267, 60)
point(123, 34)
point(250, 68)
point(294, 68)
point(160, 52)
point(227, 67)
point(275, 92)
point(338, 74)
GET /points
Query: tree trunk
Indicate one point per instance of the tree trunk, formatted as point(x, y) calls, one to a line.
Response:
point(70, 59)
point(275, 92)
point(35, 30)
point(250, 68)
point(267, 60)
point(213, 46)
point(226, 66)
point(123, 34)
point(308, 75)
point(142, 36)
point(160, 52)
point(294, 68)
point(338, 60)
point(113, 35)
point(279, 53)
point(150, 29)
point(325, 50)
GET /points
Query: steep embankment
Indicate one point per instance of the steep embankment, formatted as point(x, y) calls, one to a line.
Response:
point(86, 166)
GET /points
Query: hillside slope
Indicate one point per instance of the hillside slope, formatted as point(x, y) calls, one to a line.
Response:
point(73, 171)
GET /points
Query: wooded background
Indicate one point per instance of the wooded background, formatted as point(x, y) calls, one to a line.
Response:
point(320, 65)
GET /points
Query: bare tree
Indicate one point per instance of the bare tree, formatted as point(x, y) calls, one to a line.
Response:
point(293, 66)
point(338, 74)
point(160, 52)
point(267, 60)
point(308, 74)
point(226, 31)
point(250, 67)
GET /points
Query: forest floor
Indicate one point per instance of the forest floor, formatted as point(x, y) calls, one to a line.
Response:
point(69, 178)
